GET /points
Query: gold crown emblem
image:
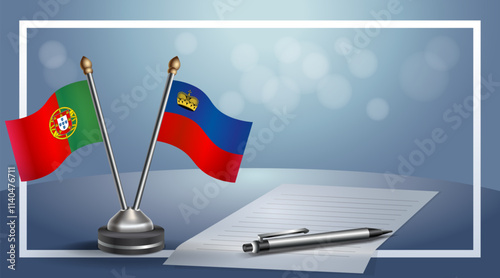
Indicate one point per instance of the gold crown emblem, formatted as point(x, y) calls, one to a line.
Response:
point(187, 101)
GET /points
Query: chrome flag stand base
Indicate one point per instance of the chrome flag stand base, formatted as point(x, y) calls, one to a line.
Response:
point(131, 232)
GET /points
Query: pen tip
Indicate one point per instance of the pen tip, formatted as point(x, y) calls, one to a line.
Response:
point(378, 232)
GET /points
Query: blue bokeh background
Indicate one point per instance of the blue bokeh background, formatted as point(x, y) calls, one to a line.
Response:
point(355, 106)
point(354, 110)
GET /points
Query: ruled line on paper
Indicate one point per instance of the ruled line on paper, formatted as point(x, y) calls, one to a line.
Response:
point(317, 215)
point(330, 211)
point(322, 196)
point(305, 205)
point(314, 220)
point(337, 202)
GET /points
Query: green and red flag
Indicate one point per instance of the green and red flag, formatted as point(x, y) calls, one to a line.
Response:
point(44, 139)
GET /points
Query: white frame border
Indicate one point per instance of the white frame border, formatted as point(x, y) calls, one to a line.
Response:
point(475, 25)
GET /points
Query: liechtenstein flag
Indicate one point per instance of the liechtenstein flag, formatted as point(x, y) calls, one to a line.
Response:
point(214, 141)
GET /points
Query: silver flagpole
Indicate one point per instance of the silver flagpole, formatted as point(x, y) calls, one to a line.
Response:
point(173, 66)
point(86, 66)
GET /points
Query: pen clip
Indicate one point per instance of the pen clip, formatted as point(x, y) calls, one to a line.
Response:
point(282, 233)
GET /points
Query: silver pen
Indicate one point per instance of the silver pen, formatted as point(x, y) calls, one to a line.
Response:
point(266, 244)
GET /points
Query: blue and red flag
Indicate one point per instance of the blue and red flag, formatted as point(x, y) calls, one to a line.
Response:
point(214, 141)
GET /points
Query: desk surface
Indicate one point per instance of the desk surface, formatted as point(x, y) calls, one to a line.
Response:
point(65, 216)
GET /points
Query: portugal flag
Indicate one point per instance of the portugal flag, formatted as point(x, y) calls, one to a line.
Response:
point(214, 141)
point(43, 140)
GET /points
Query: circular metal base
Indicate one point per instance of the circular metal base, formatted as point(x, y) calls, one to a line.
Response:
point(131, 243)
point(130, 221)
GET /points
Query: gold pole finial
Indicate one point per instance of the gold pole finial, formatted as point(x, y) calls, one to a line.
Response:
point(174, 65)
point(86, 65)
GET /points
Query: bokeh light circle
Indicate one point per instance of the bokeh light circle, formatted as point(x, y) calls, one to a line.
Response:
point(363, 64)
point(186, 43)
point(287, 50)
point(420, 81)
point(334, 91)
point(315, 65)
point(442, 53)
point(52, 54)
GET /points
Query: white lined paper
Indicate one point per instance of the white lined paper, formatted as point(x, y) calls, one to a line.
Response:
point(318, 208)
